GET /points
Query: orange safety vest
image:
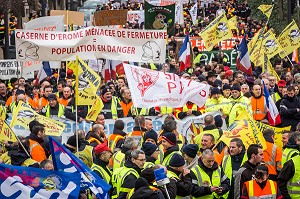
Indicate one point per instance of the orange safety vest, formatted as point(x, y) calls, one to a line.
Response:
point(113, 140)
point(272, 154)
point(126, 107)
point(42, 102)
point(259, 108)
point(64, 101)
point(254, 190)
point(137, 134)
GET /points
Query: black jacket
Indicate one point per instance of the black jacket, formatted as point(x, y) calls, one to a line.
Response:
point(170, 150)
point(81, 110)
point(121, 141)
point(286, 173)
point(147, 192)
point(94, 135)
point(18, 157)
point(288, 111)
point(102, 164)
point(129, 180)
point(244, 174)
point(53, 110)
point(184, 185)
point(106, 110)
point(198, 191)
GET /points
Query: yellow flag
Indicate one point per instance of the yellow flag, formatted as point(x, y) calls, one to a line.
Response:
point(232, 23)
point(7, 133)
point(3, 112)
point(256, 53)
point(24, 114)
point(95, 110)
point(266, 9)
point(278, 131)
point(269, 68)
point(218, 30)
point(289, 39)
point(270, 45)
point(88, 82)
point(245, 129)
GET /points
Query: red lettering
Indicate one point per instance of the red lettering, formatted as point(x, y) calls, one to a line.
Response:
point(171, 85)
point(202, 93)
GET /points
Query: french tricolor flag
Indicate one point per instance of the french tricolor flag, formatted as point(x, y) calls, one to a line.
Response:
point(243, 60)
point(273, 114)
point(45, 71)
point(185, 54)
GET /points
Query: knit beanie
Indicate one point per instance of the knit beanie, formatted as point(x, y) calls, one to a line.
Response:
point(218, 121)
point(177, 160)
point(72, 141)
point(236, 87)
point(148, 174)
point(191, 150)
point(149, 148)
point(151, 134)
point(226, 87)
point(215, 90)
point(170, 137)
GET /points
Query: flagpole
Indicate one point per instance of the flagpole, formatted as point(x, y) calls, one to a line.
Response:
point(76, 103)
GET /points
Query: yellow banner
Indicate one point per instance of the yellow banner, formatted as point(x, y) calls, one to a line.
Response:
point(289, 39)
point(269, 68)
point(95, 110)
point(218, 30)
point(278, 131)
point(266, 9)
point(24, 114)
point(270, 44)
point(88, 82)
point(232, 23)
point(256, 54)
point(6, 132)
point(245, 129)
point(2, 112)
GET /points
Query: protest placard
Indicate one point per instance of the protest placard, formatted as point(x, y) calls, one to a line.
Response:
point(110, 17)
point(9, 69)
point(49, 23)
point(136, 15)
point(92, 43)
point(71, 17)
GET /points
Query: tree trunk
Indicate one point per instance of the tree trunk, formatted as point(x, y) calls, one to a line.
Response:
point(280, 6)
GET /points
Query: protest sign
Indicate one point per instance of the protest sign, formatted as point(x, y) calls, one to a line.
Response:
point(136, 15)
point(92, 43)
point(160, 17)
point(170, 90)
point(49, 23)
point(96, 64)
point(29, 182)
point(71, 17)
point(9, 69)
point(169, 2)
point(230, 55)
point(110, 17)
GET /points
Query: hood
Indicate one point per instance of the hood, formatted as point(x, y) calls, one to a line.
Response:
point(17, 158)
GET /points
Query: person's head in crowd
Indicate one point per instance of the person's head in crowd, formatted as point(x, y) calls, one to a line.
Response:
point(39, 131)
point(119, 124)
point(35, 90)
point(70, 74)
point(3, 89)
point(45, 83)
point(225, 81)
point(13, 82)
point(245, 88)
point(151, 136)
point(148, 124)
point(209, 120)
point(269, 135)
point(229, 75)
point(126, 95)
point(235, 91)
point(207, 142)
point(102, 152)
point(52, 99)
point(215, 93)
point(196, 51)
point(100, 119)
point(214, 62)
point(211, 77)
point(226, 91)
point(98, 129)
point(140, 121)
point(267, 83)
point(47, 165)
point(296, 90)
point(165, 68)
point(261, 173)
point(121, 82)
point(219, 68)
point(289, 76)
point(297, 78)
point(177, 163)
point(278, 67)
point(218, 121)
point(264, 75)
point(60, 86)
point(21, 81)
point(189, 152)
point(290, 92)
point(69, 82)
point(150, 150)
point(186, 76)
point(67, 91)
point(20, 95)
point(272, 81)
point(131, 143)
point(72, 143)
point(281, 84)
point(208, 158)
point(294, 139)
point(111, 85)
point(106, 93)
point(236, 146)
point(168, 140)
point(256, 90)
point(170, 125)
point(285, 137)
point(47, 91)
point(255, 154)
point(239, 77)
point(138, 158)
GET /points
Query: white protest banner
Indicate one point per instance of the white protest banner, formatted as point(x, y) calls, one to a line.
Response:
point(96, 64)
point(154, 88)
point(138, 15)
point(193, 13)
point(9, 69)
point(92, 43)
point(28, 68)
point(49, 23)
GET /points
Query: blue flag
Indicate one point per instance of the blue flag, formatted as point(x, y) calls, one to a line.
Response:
point(28, 182)
point(64, 160)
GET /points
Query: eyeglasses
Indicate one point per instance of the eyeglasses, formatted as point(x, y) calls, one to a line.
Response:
point(142, 160)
